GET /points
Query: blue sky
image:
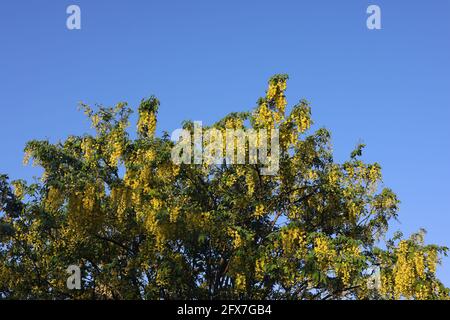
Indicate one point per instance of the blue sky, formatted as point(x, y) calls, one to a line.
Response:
point(389, 88)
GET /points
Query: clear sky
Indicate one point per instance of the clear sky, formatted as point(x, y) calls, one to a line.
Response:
point(389, 88)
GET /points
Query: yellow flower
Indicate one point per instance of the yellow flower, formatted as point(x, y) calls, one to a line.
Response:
point(95, 120)
point(259, 211)
point(259, 269)
point(54, 199)
point(419, 264)
point(404, 275)
point(293, 241)
point(88, 148)
point(19, 189)
point(173, 214)
point(241, 282)
point(156, 204)
point(264, 116)
point(147, 123)
point(324, 252)
point(236, 238)
point(432, 260)
point(333, 176)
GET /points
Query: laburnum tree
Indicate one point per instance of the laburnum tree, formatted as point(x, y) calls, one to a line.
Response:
point(142, 227)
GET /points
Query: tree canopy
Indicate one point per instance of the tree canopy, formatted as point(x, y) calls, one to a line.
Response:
point(142, 227)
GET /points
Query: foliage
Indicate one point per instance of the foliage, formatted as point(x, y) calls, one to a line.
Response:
point(142, 227)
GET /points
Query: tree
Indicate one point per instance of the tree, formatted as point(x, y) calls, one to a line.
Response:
point(142, 227)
